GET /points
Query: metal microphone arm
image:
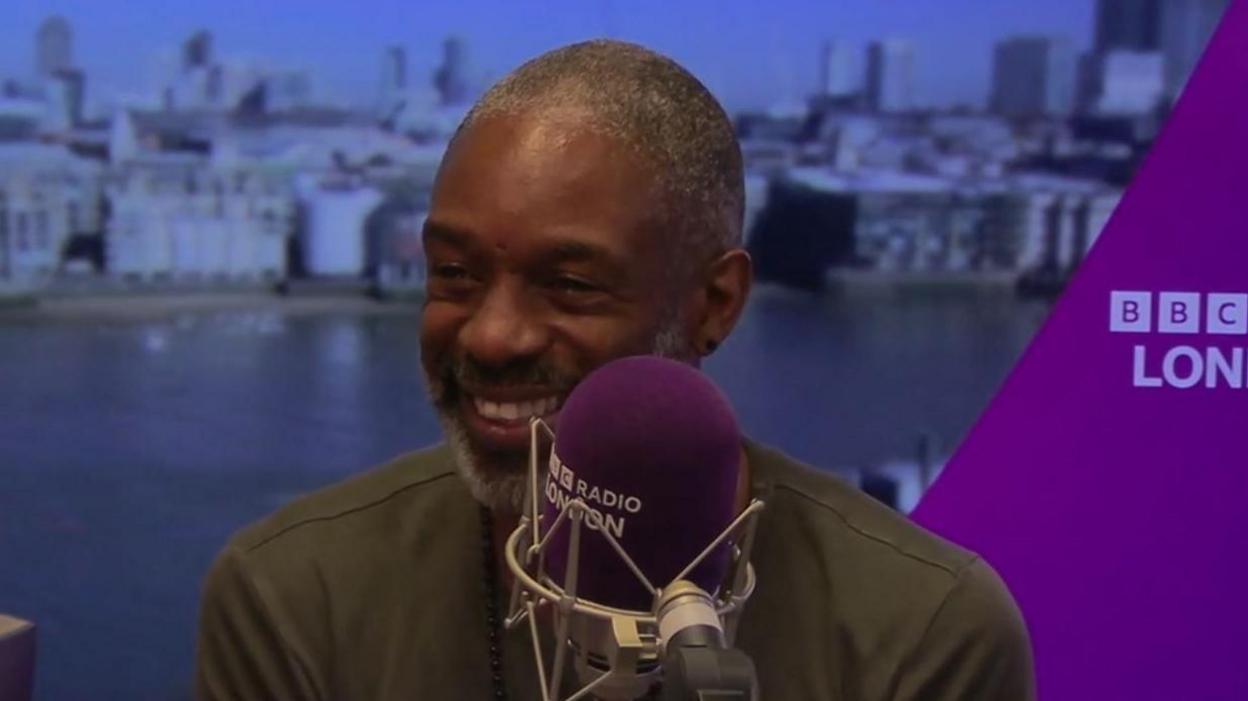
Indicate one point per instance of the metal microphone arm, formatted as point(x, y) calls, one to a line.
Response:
point(697, 663)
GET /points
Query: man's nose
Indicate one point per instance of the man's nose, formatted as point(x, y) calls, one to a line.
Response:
point(504, 328)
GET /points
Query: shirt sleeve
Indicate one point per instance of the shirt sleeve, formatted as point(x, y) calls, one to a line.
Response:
point(241, 653)
point(975, 647)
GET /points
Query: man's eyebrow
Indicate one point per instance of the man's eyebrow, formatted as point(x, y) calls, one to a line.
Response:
point(435, 231)
point(571, 251)
point(563, 250)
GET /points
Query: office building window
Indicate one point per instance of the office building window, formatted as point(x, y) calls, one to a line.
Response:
point(22, 225)
point(41, 231)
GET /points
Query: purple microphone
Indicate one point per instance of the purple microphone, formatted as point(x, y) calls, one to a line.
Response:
point(653, 449)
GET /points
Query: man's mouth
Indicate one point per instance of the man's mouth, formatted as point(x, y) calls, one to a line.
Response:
point(516, 410)
point(499, 422)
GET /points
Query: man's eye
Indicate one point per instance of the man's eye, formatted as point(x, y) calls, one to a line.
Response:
point(450, 271)
point(564, 283)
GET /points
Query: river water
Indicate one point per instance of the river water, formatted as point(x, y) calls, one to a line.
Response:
point(129, 451)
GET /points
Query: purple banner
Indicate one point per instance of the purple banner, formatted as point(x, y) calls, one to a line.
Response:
point(1108, 480)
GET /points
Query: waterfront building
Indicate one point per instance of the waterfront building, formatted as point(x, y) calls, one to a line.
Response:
point(47, 196)
point(905, 223)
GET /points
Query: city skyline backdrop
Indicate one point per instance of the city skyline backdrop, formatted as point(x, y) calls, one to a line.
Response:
point(751, 54)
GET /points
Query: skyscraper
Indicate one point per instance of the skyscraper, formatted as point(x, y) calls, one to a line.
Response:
point(54, 47)
point(197, 50)
point(451, 78)
point(394, 70)
point(1127, 25)
point(1122, 83)
point(1033, 75)
point(393, 93)
point(836, 70)
point(890, 75)
point(1186, 27)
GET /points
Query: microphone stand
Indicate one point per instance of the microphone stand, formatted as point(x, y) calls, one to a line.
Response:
point(701, 673)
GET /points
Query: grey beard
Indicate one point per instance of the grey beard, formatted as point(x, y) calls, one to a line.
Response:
point(503, 492)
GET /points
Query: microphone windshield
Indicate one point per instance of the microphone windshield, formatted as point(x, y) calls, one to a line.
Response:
point(653, 449)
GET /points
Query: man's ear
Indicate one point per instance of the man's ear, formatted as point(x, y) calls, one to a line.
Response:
point(724, 289)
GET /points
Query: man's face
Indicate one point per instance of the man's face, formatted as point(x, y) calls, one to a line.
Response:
point(543, 264)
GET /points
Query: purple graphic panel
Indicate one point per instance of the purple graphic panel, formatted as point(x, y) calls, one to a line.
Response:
point(1108, 481)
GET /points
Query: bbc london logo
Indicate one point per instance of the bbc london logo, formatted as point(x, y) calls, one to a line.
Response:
point(1200, 325)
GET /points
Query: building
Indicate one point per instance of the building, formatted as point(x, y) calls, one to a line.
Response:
point(890, 76)
point(893, 222)
point(1063, 218)
point(197, 51)
point(20, 117)
point(836, 70)
point(1186, 28)
point(175, 217)
point(1121, 83)
point(392, 94)
point(47, 196)
point(1127, 25)
point(286, 90)
point(64, 93)
point(54, 47)
point(1033, 76)
point(394, 70)
point(332, 239)
point(451, 78)
point(186, 204)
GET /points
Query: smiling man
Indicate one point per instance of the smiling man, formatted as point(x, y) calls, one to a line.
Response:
point(589, 208)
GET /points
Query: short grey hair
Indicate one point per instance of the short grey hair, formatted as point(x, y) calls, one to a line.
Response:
point(660, 111)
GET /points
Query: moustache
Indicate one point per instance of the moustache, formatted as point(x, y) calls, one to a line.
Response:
point(459, 372)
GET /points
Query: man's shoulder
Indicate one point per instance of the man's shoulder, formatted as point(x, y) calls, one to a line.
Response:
point(908, 604)
point(848, 519)
point(405, 483)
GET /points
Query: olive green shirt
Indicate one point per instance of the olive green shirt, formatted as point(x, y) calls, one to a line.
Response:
point(374, 589)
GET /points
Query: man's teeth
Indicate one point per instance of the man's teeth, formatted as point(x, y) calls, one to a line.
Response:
point(510, 411)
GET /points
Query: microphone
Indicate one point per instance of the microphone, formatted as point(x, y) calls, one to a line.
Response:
point(653, 446)
point(637, 544)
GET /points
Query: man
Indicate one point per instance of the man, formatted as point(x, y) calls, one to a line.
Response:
point(589, 207)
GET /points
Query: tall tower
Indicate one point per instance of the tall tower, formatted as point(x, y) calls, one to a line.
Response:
point(197, 50)
point(1129, 25)
point(890, 75)
point(54, 47)
point(451, 78)
point(1186, 27)
point(1032, 76)
point(394, 70)
point(393, 92)
point(836, 69)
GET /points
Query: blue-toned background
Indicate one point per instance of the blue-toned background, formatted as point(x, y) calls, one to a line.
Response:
point(210, 265)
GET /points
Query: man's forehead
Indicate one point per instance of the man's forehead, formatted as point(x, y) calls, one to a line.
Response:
point(544, 173)
point(572, 135)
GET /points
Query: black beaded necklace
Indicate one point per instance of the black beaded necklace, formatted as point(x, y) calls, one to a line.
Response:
point(492, 619)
